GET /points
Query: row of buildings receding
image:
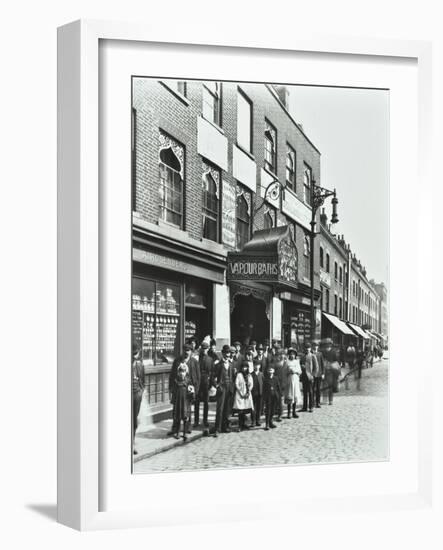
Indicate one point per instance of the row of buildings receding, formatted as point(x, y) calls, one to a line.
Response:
point(213, 253)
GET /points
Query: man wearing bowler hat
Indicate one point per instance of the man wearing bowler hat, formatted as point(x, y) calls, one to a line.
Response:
point(206, 364)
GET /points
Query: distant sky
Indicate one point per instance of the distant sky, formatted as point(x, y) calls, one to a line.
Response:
point(350, 127)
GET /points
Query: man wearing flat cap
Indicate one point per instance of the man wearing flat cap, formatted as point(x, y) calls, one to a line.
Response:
point(194, 379)
point(223, 380)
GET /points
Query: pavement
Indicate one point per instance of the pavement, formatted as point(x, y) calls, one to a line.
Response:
point(355, 428)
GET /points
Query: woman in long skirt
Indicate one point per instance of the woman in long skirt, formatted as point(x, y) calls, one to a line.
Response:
point(243, 403)
point(291, 382)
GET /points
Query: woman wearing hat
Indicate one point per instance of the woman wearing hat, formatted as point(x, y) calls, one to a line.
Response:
point(291, 380)
point(243, 403)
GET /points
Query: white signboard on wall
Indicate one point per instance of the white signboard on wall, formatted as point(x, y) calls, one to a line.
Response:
point(229, 200)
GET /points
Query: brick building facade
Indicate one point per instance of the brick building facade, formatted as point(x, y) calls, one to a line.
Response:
point(204, 155)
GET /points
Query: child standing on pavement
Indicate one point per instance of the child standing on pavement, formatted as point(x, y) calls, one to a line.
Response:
point(183, 393)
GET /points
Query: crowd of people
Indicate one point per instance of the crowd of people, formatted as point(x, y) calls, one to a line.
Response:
point(252, 382)
point(260, 384)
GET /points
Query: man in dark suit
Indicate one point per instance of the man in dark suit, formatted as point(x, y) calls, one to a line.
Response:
point(194, 378)
point(261, 359)
point(223, 380)
point(309, 367)
point(271, 396)
point(319, 374)
point(138, 385)
point(257, 392)
point(206, 364)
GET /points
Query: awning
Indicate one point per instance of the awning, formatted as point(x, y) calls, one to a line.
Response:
point(359, 331)
point(270, 257)
point(340, 325)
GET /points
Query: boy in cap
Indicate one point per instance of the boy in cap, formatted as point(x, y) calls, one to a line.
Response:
point(271, 396)
point(194, 380)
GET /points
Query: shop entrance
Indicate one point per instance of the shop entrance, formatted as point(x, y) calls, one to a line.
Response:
point(249, 320)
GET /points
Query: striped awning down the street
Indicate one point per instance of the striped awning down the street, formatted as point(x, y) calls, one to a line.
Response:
point(359, 331)
point(339, 324)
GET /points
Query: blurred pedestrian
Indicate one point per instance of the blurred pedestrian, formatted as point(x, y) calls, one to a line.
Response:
point(332, 369)
point(138, 386)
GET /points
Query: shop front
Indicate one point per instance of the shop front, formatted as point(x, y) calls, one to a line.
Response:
point(172, 300)
point(266, 266)
point(337, 330)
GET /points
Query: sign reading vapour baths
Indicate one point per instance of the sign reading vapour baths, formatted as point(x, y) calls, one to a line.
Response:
point(246, 268)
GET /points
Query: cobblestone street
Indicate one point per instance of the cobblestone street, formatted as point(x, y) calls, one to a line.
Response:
point(354, 428)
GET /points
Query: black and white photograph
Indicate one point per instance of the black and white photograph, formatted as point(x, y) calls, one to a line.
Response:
point(260, 274)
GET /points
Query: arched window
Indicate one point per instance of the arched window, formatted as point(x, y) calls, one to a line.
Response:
point(171, 188)
point(243, 218)
point(270, 148)
point(327, 262)
point(322, 261)
point(307, 183)
point(269, 219)
point(211, 208)
point(306, 255)
point(290, 168)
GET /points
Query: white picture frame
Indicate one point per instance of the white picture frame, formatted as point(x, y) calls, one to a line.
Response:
point(80, 255)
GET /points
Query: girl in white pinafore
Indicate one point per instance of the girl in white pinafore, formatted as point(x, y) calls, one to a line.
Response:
point(291, 382)
point(243, 403)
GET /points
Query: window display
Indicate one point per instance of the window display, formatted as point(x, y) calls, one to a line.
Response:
point(156, 320)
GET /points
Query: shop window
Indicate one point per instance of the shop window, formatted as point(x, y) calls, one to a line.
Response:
point(156, 320)
point(244, 122)
point(307, 184)
point(290, 168)
point(171, 157)
point(270, 147)
point(198, 314)
point(322, 260)
point(211, 102)
point(243, 215)
point(211, 204)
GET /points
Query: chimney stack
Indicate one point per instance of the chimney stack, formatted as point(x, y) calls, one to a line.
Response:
point(283, 94)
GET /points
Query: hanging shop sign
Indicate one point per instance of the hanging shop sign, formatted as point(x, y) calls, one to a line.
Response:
point(269, 257)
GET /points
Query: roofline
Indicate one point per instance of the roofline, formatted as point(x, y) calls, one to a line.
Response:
point(276, 96)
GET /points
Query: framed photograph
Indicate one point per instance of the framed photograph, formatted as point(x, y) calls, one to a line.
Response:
point(232, 276)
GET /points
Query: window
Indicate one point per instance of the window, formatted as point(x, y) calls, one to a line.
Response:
point(340, 307)
point(176, 85)
point(327, 262)
point(321, 257)
point(243, 216)
point(171, 181)
point(341, 275)
point(244, 122)
point(211, 203)
point(290, 168)
point(335, 270)
point(270, 147)
point(321, 298)
point(211, 102)
point(307, 184)
point(335, 304)
point(269, 219)
point(306, 256)
point(327, 301)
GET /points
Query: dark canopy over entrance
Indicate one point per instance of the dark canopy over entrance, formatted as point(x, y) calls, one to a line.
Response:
point(270, 257)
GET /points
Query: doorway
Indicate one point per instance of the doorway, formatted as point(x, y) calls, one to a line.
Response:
point(249, 320)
